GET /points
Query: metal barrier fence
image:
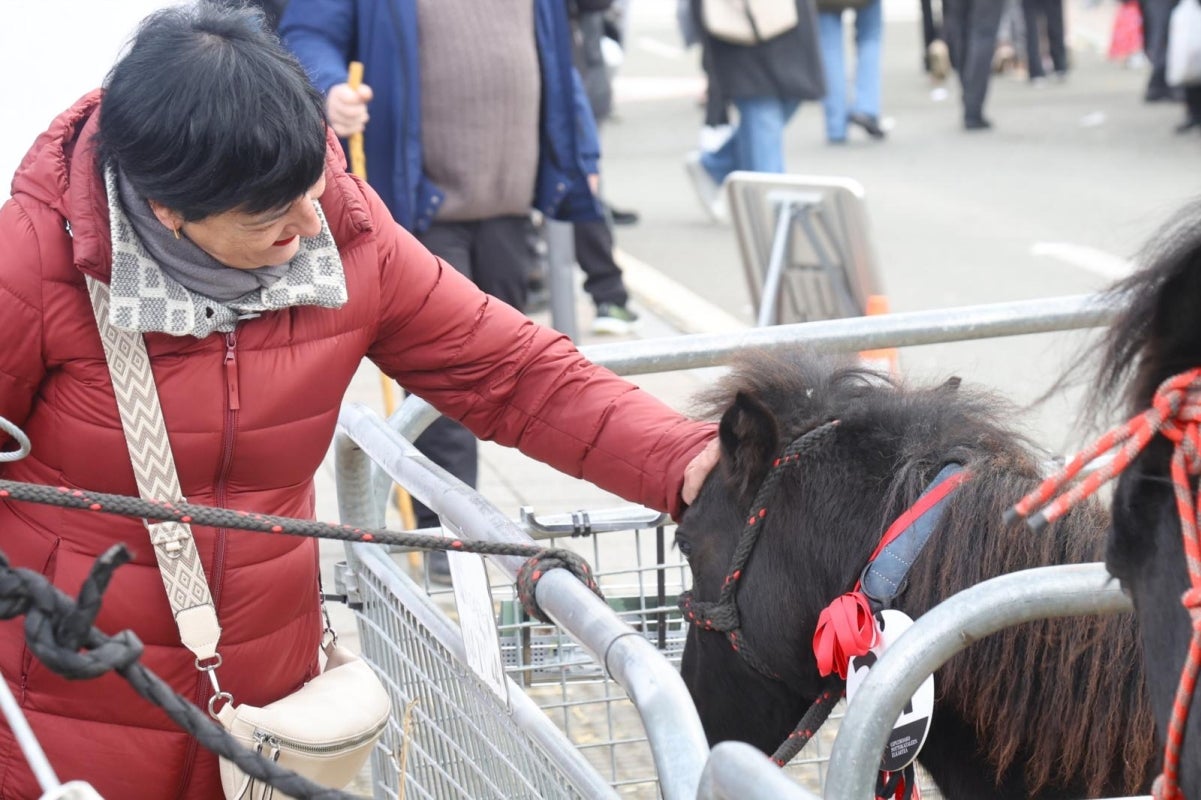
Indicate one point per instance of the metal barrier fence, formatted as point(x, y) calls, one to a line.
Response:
point(1042, 593)
point(463, 739)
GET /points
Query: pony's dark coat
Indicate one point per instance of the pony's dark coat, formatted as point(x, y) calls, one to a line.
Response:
point(1048, 709)
point(1157, 335)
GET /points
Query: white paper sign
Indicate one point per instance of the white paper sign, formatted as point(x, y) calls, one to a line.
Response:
point(913, 725)
point(477, 622)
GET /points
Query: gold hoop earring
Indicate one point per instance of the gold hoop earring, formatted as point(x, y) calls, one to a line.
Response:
point(176, 232)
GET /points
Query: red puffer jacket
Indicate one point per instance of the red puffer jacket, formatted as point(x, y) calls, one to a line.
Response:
point(250, 416)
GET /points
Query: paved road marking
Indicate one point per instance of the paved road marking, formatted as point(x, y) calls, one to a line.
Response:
point(626, 90)
point(1096, 261)
point(649, 44)
point(670, 300)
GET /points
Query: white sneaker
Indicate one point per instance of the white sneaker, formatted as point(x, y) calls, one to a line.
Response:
point(712, 137)
point(708, 191)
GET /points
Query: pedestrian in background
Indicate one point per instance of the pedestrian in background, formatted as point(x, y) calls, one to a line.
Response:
point(474, 118)
point(864, 110)
point(1157, 20)
point(766, 80)
point(1045, 17)
point(1192, 110)
point(594, 238)
point(970, 28)
point(260, 274)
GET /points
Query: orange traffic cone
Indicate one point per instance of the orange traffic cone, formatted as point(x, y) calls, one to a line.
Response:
point(885, 359)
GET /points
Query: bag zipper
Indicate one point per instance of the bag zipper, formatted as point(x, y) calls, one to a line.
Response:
point(266, 740)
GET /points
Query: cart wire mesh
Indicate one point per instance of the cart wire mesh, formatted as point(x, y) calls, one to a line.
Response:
point(464, 742)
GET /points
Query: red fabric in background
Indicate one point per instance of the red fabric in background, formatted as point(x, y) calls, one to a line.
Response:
point(1127, 38)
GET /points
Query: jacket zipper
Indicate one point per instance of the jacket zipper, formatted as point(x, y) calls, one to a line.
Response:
point(233, 403)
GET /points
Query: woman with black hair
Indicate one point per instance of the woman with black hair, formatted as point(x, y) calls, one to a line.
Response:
point(201, 186)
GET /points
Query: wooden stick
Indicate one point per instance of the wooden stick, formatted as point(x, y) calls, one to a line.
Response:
point(358, 166)
point(358, 160)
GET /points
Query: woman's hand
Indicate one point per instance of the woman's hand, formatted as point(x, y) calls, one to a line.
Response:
point(347, 108)
point(698, 469)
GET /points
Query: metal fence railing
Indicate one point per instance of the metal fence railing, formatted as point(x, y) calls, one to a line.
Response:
point(595, 706)
point(1004, 601)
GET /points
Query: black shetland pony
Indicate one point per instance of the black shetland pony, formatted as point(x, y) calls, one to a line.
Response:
point(1158, 335)
point(1053, 709)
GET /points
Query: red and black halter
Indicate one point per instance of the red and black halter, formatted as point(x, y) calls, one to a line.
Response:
point(903, 540)
point(722, 615)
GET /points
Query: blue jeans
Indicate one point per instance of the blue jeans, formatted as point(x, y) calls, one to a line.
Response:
point(869, 34)
point(757, 144)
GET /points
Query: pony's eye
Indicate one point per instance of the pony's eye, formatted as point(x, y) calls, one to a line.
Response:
point(683, 545)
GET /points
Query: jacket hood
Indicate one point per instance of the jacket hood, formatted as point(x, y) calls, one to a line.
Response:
point(60, 171)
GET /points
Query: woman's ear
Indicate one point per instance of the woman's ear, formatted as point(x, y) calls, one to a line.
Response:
point(171, 220)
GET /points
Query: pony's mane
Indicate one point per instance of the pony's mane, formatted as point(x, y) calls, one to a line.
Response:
point(1133, 358)
point(1045, 674)
point(928, 426)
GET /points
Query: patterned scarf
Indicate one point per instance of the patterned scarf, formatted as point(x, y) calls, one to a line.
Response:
point(174, 293)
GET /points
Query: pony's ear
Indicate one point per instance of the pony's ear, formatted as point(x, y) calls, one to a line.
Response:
point(951, 384)
point(749, 436)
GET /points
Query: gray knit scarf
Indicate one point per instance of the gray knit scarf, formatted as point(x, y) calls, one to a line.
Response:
point(160, 283)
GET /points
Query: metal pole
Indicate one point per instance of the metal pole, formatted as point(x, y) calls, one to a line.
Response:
point(669, 716)
point(737, 771)
point(851, 334)
point(964, 323)
point(976, 612)
point(560, 260)
point(769, 303)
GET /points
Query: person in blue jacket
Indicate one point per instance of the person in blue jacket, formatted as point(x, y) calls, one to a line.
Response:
point(469, 120)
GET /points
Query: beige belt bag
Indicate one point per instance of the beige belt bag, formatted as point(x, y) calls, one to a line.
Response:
point(324, 731)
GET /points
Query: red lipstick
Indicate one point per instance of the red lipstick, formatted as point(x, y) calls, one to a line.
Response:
point(285, 242)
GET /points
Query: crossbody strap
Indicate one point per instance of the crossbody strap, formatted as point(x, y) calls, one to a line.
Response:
point(154, 468)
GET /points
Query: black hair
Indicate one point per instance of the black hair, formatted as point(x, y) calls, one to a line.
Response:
point(207, 112)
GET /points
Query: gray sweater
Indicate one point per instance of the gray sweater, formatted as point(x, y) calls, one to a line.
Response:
point(480, 103)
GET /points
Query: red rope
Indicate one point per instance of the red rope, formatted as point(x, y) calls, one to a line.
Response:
point(1175, 413)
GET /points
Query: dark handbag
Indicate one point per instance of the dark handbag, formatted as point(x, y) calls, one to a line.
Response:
point(836, 6)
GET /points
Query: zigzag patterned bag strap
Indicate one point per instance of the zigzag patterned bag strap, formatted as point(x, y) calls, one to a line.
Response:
point(154, 467)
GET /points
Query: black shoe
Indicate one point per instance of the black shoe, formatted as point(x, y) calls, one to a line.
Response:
point(1192, 123)
point(623, 216)
point(976, 124)
point(1162, 94)
point(868, 123)
point(614, 318)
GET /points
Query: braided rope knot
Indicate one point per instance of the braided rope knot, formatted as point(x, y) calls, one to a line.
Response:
point(721, 616)
point(1178, 408)
point(58, 629)
point(538, 565)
